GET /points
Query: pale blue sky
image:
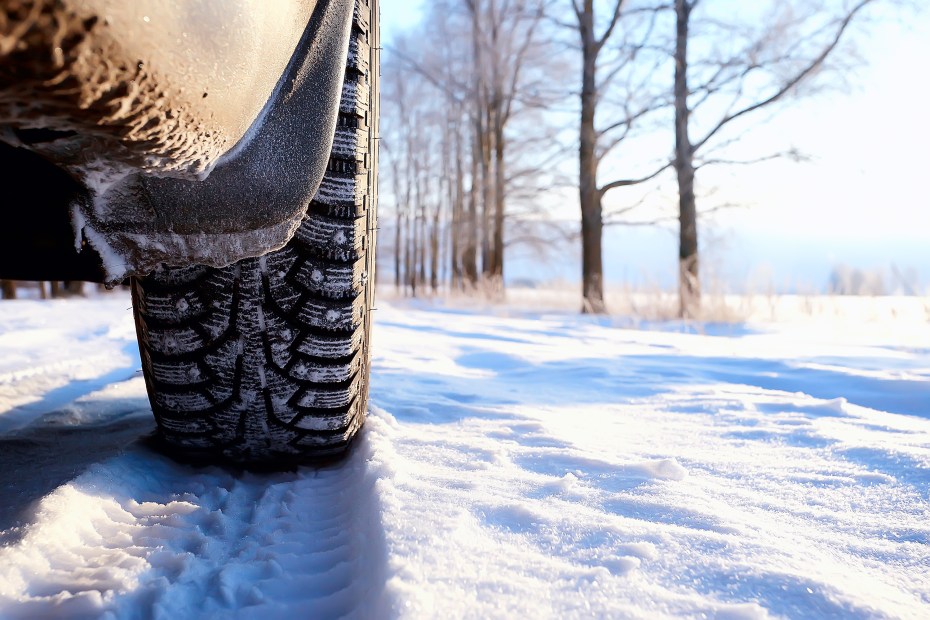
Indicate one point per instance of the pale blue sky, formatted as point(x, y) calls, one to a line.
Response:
point(397, 15)
point(868, 144)
point(869, 148)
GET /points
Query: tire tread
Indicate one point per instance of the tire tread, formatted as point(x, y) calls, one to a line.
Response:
point(266, 361)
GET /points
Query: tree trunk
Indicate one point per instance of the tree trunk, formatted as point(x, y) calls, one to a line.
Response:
point(423, 245)
point(496, 129)
point(434, 247)
point(487, 194)
point(689, 289)
point(8, 289)
point(470, 252)
point(409, 267)
point(458, 216)
point(463, 245)
point(398, 250)
point(497, 267)
point(592, 263)
point(482, 126)
point(398, 229)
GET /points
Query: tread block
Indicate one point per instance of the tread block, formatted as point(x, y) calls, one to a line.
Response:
point(342, 190)
point(174, 342)
point(332, 317)
point(189, 402)
point(332, 238)
point(351, 144)
point(307, 370)
point(325, 423)
point(183, 424)
point(331, 280)
point(177, 372)
point(326, 347)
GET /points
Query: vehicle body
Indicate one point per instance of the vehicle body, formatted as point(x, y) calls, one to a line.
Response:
point(171, 135)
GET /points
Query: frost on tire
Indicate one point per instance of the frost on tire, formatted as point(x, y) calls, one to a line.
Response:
point(266, 361)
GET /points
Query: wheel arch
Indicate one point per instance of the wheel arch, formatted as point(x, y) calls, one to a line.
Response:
point(129, 219)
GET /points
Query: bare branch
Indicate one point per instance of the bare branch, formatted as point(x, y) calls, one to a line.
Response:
point(427, 75)
point(643, 223)
point(812, 66)
point(627, 182)
point(599, 43)
point(518, 62)
point(792, 154)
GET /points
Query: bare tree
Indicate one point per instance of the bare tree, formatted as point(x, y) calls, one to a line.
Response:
point(594, 142)
point(465, 85)
point(739, 71)
point(407, 142)
point(425, 109)
point(504, 33)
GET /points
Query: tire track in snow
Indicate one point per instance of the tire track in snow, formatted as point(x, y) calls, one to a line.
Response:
point(141, 536)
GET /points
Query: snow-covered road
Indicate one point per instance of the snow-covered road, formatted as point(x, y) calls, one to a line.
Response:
point(531, 465)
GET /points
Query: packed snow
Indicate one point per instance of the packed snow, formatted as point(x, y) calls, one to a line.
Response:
point(516, 463)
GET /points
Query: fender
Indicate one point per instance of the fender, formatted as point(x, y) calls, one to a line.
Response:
point(155, 174)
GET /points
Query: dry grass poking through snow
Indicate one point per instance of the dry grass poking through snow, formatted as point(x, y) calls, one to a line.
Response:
point(656, 305)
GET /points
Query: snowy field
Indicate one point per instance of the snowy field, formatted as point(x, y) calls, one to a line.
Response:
point(517, 463)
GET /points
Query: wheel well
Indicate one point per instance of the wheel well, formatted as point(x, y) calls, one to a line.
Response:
point(36, 236)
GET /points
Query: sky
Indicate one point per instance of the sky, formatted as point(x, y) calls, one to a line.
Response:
point(868, 147)
point(859, 198)
point(396, 15)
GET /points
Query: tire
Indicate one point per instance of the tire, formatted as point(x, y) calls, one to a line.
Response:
point(266, 362)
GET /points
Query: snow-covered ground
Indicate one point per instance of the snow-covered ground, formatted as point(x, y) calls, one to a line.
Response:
point(516, 463)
